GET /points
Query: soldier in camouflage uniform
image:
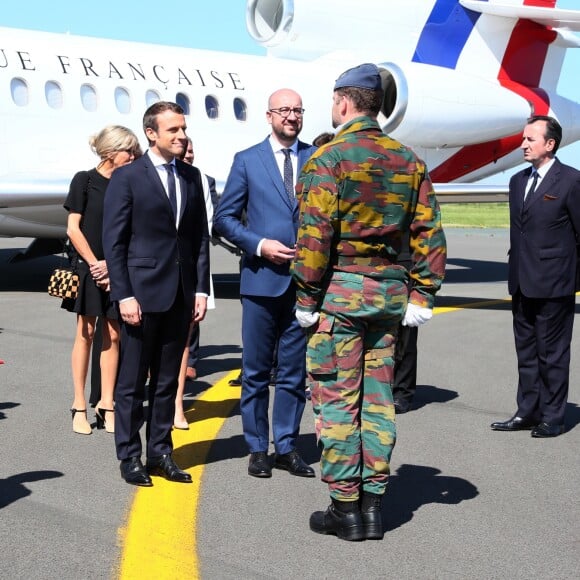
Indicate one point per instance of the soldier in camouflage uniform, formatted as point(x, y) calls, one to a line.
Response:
point(358, 195)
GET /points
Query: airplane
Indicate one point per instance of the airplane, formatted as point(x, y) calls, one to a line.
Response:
point(460, 79)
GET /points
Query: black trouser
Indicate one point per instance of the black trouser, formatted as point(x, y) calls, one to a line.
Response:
point(405, 383)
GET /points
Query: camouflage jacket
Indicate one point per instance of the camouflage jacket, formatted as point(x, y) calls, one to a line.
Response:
point(359, 194)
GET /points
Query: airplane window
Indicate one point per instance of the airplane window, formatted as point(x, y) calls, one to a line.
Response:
point(122, 100)
point(212, 107)
point(89, 98)
point(19, 91)
point(53, 94)
point(151, 97)
point(183, 101)
point(240, 109)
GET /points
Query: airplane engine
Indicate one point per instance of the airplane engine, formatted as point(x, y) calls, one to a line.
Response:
point(297, 29)
point(434, 107)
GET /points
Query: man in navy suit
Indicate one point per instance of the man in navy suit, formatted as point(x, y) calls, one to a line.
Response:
point(157, 251)
point(261, 186)
point(544, 228)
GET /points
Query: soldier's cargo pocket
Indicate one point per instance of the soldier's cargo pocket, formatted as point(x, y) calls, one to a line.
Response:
point(321, 352)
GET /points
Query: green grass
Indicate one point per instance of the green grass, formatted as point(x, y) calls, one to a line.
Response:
point(475, 215)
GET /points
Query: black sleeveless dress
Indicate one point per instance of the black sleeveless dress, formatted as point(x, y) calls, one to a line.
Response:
point(86, 196)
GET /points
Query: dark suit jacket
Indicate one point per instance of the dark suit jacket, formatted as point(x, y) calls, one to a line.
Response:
point(147, 256)
point(543, 233)
point(256, 186)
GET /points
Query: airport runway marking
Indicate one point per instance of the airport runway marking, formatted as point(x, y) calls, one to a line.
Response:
point(470, 305)
point(159, 536)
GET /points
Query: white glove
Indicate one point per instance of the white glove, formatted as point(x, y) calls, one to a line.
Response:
point(307, 319)
point(416, 315)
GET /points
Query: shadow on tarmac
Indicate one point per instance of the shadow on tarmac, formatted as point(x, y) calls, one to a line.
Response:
point(478, 303)
point(32, 275)
point(6, 406)
point(427, 394)
point(472, 303)
point(12, 488)
point(413, 486)
point(211, 451)
point(208, 364)
point(29, 276)
point(474, 271)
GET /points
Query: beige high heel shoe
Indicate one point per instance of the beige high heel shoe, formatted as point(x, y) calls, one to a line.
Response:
point(80, 423)
point(178, 424)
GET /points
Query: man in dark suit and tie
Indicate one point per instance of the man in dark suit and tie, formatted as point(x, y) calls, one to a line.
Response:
point(157, 251)
point(261, 185)
point(544, 228)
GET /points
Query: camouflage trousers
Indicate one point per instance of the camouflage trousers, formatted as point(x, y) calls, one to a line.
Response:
point(349, 361)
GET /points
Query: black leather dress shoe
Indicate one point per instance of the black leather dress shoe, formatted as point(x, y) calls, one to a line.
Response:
point(259, 466)
point(237, 382)
point(547, 430)
point(165, 466)
point(402, 406)
point(294, 464)
point(514, 424)
point(133, 472)
point(342, 519)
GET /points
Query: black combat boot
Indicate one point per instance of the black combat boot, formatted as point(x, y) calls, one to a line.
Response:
point(342, 519)
point(372, 516)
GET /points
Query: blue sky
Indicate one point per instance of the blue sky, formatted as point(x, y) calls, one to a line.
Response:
point(214, 25)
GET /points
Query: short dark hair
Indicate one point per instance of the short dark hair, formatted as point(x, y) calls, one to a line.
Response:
point(553, 129)
point(150, 116)
point(366, 101)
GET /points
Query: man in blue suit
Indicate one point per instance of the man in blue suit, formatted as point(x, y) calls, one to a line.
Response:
point(157, 252)
point(260, 187)
point(544, 228)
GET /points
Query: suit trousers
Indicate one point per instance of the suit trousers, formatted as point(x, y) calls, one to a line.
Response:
point(265, 322)
point(155, 346)
point(193, 356)
point(405, 383)
point(543, 332)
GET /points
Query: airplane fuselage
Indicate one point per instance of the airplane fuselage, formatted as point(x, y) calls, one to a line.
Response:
point(458, 90)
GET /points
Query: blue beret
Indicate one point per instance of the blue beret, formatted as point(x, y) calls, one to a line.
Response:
point(363, 76)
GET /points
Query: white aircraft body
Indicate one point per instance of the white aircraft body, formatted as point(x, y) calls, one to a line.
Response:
point(460, 78)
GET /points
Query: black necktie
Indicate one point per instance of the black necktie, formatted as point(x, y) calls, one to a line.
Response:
point(171, 188)
point(536, 175)
point(288, 174)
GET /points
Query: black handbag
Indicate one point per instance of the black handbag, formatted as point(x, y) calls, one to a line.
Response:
point(63, 283)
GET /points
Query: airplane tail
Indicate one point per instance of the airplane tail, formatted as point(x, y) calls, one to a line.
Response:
point(520, 45)
point(529, 42)
point(484, 66)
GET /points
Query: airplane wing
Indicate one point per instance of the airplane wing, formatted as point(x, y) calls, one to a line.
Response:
point(470, 192)
point(32, 207)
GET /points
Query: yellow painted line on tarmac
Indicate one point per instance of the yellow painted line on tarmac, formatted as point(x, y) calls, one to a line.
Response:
point(469, 305)
point(159, 537)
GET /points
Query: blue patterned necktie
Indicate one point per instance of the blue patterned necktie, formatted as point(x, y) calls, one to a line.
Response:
point(288, 174)
point(171, 190)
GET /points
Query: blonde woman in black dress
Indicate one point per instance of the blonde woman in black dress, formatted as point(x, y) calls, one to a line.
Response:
point(116, 146)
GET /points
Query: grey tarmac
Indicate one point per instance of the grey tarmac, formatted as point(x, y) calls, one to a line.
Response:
point(463, 501)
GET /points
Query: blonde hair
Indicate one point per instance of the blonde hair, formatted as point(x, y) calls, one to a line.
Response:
point(112, 139)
